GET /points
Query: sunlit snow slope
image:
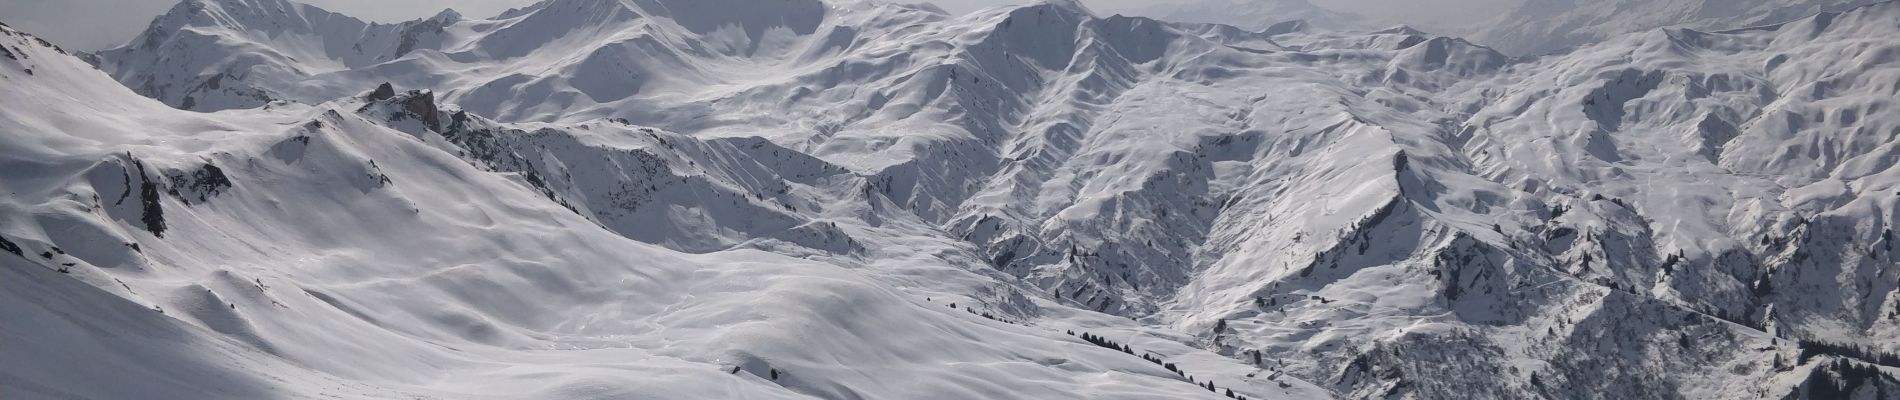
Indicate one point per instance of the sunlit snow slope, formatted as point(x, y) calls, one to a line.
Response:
point(377, 246)
point(616, 198)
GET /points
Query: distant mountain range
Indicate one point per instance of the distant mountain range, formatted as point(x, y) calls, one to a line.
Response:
point(1533, 27)
point(860, 199)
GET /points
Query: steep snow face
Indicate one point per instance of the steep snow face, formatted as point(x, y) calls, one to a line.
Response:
point(1667, 214)
point(1543, 26)
point(381, 246)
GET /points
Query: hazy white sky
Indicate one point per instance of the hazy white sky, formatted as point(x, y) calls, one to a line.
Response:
point(98, 24)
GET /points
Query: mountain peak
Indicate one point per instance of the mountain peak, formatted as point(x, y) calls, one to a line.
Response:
point(1075, 6)
point(1256, 15)
point(703, 16)
point(446, 15)
point(246, 16)
point(1070, 4)
point(252, 7)
point(419, 105)
point(1401, 29)
point(382, 92)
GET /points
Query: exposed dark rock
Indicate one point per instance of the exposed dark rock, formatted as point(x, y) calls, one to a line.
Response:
point(422, 105)
point(382, 92)
point(411, 36)
point(10, 247)
point(154, 213)
point(200, 185)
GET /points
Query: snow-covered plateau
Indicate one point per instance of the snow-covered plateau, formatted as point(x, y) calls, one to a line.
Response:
point(855, 199)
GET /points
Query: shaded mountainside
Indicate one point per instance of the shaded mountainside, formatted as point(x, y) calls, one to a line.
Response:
point(1291, 213)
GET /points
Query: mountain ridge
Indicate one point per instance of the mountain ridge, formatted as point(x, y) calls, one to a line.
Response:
point(1381, 214)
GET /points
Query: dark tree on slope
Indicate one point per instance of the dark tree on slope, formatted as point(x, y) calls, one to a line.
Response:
point(1842, 378)
point(1811, 348)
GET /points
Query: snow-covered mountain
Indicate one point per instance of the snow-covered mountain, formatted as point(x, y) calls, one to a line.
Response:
point(381, 245)
point(209, 55)
point(1529, 28)
point(622, 198)
point(1256, 15)
point(1542, 26)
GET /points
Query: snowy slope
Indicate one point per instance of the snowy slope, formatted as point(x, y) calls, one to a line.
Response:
point(1771, 141)
point(1388, 214)
point(1529, 28)
point(1543, 26)
point(352, 249)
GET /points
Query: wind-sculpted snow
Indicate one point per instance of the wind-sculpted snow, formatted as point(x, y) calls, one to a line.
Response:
point(605, 191)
